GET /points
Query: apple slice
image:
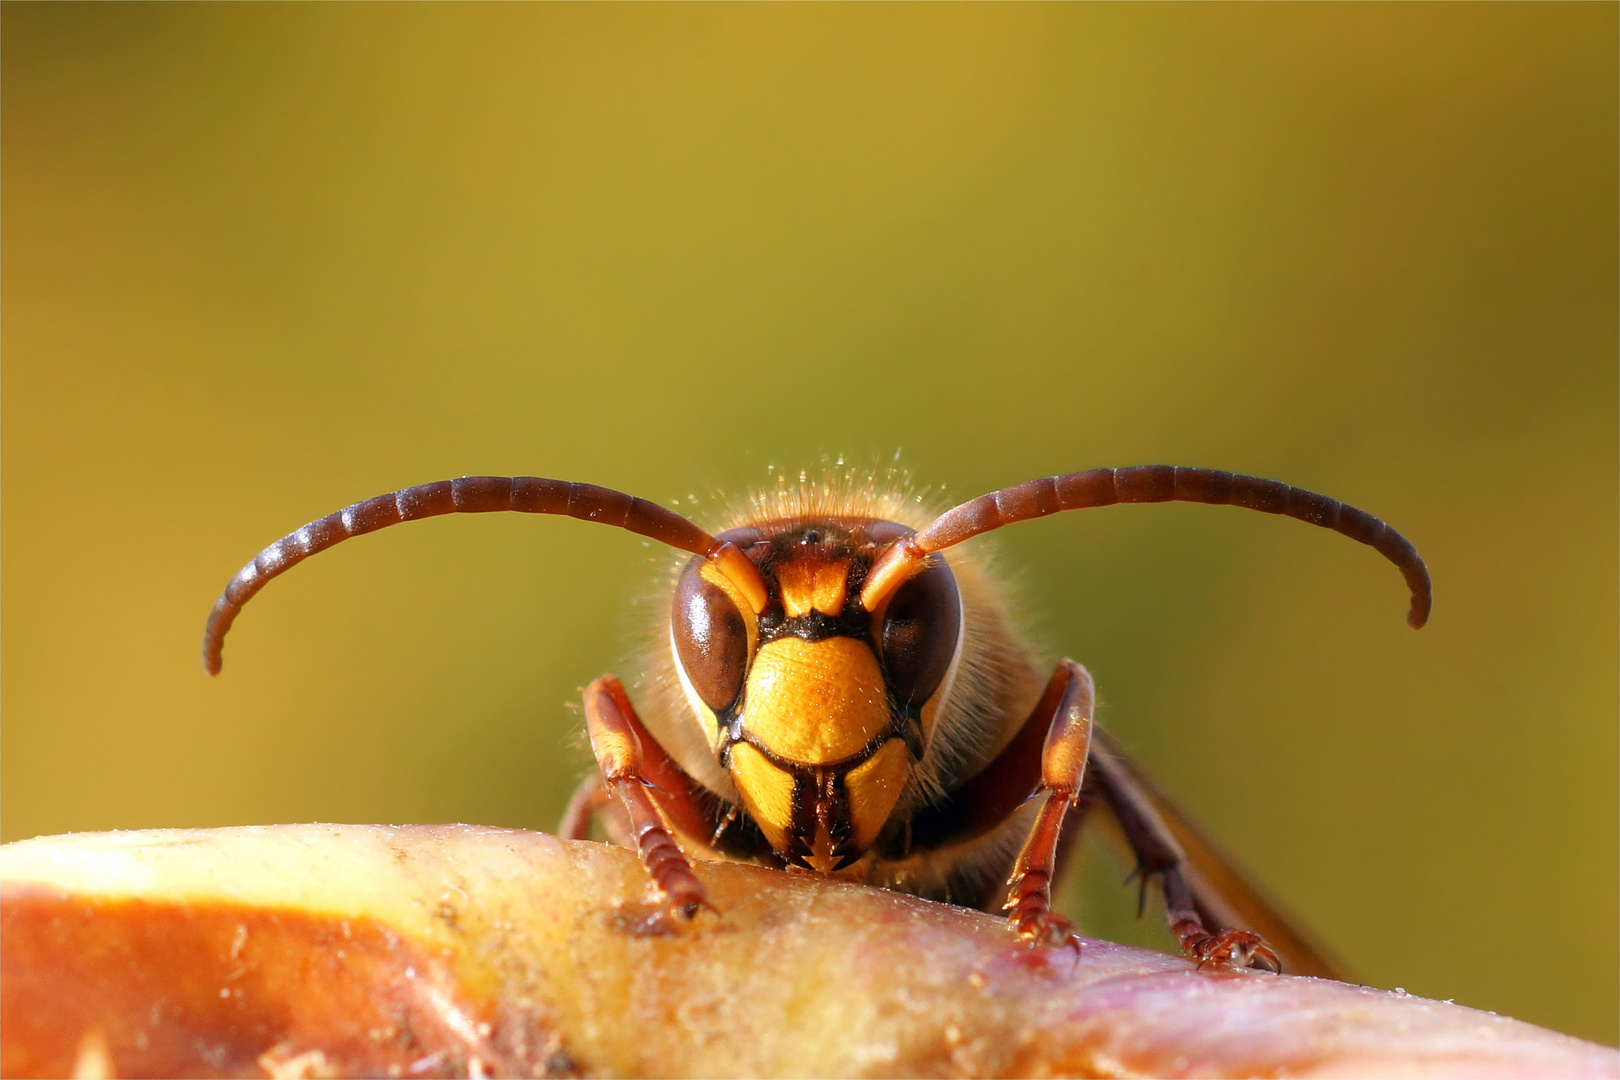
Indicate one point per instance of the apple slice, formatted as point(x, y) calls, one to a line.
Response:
point(350, 950)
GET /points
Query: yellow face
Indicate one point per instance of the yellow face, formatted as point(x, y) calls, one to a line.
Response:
point(818, 708)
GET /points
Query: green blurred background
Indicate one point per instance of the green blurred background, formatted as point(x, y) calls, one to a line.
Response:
point(264, 261)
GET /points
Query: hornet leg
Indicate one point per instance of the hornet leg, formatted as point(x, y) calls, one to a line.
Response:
point(635, 768)
point(1063, 770)
point(1157, 852)
point(591, 801)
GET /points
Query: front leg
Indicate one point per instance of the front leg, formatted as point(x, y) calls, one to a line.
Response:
point(633, 767)
point(1070, 698)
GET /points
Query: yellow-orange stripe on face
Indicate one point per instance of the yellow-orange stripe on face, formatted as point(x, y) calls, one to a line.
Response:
point(874, 787)
point(809, 585)
point(766, 791)
point(815, 702)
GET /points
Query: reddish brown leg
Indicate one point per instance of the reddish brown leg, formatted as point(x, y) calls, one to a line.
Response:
point(591, 801)
point(1063, 770)
point(619, 740)
point(1158, 853)
point(1232, 948)
point(586, 802)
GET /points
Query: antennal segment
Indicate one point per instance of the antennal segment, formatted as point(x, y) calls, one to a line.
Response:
point(1145, 484)
point(471, 495)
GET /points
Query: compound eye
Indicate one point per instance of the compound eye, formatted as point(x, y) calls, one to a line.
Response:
point(920, 628)
point(711, 641)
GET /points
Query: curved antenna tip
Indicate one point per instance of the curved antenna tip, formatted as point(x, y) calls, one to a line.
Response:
point(211, 661)
point(1416, 617)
